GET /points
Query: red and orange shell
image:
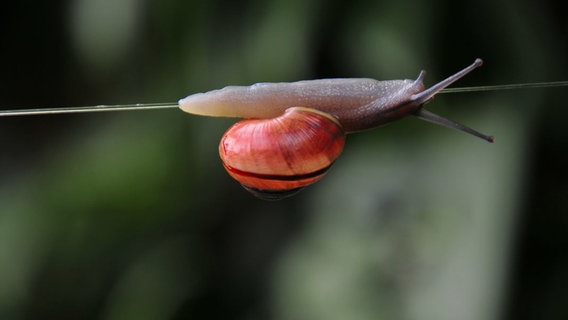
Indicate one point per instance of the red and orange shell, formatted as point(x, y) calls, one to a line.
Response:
point(275, 158)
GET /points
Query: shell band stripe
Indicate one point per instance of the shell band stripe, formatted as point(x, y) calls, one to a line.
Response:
point(278, 177)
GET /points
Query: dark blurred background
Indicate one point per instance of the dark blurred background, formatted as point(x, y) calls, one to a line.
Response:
point(130, 215)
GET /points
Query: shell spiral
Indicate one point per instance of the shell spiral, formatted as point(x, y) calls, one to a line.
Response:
point(275, 158)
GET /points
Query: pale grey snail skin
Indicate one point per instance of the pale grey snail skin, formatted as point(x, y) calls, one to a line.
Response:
point(347, 99)
point(358, 103)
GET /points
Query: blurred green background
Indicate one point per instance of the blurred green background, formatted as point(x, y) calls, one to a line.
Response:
point(130, 215)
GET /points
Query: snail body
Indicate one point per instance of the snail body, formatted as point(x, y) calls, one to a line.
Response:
point(349, 100)
point(293, 132)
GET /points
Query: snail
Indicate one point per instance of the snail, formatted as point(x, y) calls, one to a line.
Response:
point(293, 132)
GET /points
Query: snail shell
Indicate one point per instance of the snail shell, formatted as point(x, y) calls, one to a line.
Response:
point(275, 158)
